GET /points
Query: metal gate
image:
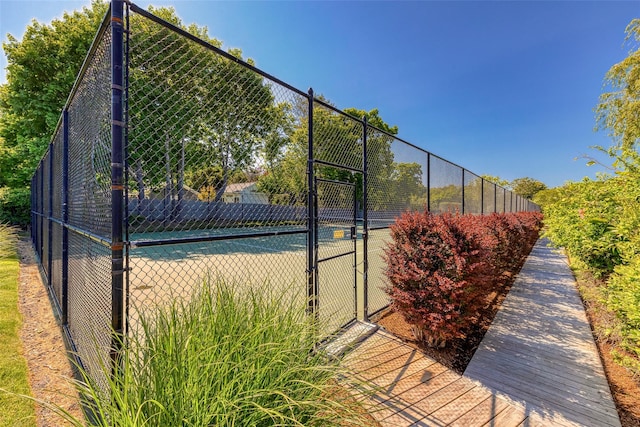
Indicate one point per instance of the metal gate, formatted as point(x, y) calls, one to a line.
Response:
point(336, 175)
point(336, 234)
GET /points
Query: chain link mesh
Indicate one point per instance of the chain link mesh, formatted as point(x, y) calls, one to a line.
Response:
point(217, 158)
point(488, 197)
point(89, 297)
point(500, 192)
point(336, 253)
point(89, 314)
point(472, 193)
point(45, 211)
point(445, 192)
point(337, 139)
point(56, 232)
point(90, 146)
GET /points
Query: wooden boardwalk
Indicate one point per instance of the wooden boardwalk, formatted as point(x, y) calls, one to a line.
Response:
point(537, 365)
point(539, 351)
point(406, 388)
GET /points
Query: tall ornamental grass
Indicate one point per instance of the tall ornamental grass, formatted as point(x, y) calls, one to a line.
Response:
point(232, 356)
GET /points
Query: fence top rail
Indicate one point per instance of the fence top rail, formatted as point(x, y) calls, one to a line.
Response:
point(137, 9)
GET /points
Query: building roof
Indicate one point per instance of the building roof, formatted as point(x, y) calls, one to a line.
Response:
point(238, 187)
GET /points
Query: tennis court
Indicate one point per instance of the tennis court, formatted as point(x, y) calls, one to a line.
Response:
point(162, 273)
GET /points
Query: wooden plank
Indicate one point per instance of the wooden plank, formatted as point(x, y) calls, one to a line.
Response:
point(512, 416)
point(421, 408)
point(429, 377)
point(461, 405)
point(550, 384)
point(403, 403)
point(389, 375)
point(389, 362)
point(574, 411)
point(482, 413)
point(540, 420)
point(578, 373)
point(382, 354)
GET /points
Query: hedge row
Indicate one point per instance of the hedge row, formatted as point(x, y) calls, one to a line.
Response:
point(442, 267)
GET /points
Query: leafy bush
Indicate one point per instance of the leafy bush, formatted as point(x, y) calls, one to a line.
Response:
point(15, 206)
point(623, 297)
point(441, 267)
point(426, 265)
point(582, 218)
point(233, 355)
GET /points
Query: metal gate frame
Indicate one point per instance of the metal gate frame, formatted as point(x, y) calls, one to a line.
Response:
point(313, 245)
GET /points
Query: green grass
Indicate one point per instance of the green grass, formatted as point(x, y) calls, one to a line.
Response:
point(233, 356)
point(15, 410)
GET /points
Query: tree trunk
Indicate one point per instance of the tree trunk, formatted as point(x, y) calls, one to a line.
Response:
point(180, 182)
point(168, 190)
point(139, 176)
point(225, 173)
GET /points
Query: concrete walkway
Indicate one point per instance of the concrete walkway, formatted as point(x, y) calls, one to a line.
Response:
point(537, 365)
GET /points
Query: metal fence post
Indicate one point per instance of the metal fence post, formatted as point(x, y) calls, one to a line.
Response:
point(65, 216)
point(311, 221)
point(41, 212)
point(462, 191)
point(32, 202)
point(481, 196)
point(428, 182)
point(365, 226)
point(49, 216)
point(117, 178)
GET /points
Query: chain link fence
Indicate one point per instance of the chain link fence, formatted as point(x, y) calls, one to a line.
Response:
point(200, 167)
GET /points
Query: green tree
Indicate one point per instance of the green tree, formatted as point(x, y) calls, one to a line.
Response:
point(445, 199)
point(41, 70)
point(337, 139)
point(619, 109)
point(497, 180)
point(410, 193)
point(527, 187)
point(195, 115)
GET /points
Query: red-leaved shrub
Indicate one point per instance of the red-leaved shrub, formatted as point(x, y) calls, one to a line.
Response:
point(442, 267)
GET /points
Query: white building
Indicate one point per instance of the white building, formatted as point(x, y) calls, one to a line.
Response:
point(244, 192)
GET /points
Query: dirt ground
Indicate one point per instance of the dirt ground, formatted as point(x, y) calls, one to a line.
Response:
point(50, 372)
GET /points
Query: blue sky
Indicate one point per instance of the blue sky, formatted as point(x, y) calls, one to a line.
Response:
point(502, 88)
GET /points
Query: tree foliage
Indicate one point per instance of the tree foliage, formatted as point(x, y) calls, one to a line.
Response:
point(196, 118)
point(337, 139)
point(619, 109)
point(497, 180)
point(527, 187)
point(41, 70)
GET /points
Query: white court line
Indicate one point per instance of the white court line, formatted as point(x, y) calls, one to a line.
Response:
point(271, 250)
